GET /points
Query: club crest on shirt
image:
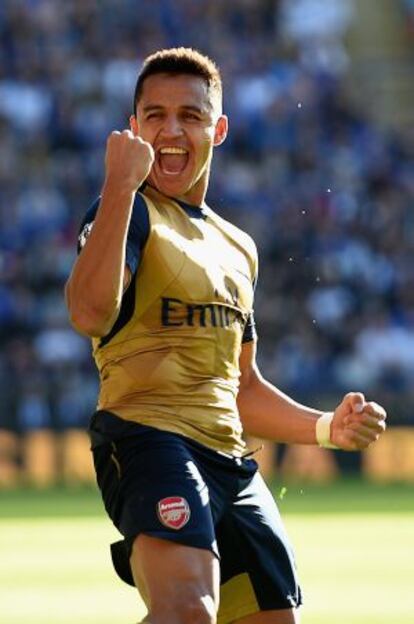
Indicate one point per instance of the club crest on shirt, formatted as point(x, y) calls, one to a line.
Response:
point(174, 512)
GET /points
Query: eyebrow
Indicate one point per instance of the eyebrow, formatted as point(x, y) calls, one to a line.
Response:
point(188, 107)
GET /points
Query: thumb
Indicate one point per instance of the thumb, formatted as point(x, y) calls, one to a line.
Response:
point(352, 403)
point(356, 401)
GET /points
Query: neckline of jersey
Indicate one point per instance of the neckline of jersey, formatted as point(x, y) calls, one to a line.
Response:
point(198, 212)
point(192, 210)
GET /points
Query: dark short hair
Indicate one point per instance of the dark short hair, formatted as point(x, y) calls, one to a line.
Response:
point(176, 61)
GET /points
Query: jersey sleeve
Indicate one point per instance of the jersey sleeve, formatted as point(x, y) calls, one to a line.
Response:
point(87, 224)
point(250, 332)
point(138, 231)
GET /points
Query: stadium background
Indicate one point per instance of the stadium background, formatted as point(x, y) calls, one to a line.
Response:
point(319, 168)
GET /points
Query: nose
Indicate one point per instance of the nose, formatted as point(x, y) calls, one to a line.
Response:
point(172, 126)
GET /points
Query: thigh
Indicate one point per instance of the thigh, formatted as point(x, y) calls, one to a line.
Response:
point(170, 576)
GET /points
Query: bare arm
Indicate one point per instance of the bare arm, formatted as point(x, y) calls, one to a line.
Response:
point(94, 289)
point(99, 276)
point(268, 413)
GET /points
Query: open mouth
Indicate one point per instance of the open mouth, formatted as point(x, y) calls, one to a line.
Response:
point(172, 160)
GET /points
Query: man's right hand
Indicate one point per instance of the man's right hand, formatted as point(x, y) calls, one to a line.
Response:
point(128, 160)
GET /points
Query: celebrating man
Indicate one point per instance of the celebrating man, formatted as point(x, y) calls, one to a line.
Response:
point(164, 287)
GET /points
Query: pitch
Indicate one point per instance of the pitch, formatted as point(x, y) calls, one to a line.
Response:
point(352, 543)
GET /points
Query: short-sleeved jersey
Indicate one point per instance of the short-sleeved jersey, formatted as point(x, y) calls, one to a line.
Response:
point(171, 360)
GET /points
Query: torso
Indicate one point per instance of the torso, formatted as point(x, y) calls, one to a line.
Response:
point(174, 364)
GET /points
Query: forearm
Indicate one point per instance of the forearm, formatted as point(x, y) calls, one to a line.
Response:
point(94, 289)
point(268, 413)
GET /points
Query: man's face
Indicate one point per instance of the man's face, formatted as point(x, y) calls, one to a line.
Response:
point(176, 115)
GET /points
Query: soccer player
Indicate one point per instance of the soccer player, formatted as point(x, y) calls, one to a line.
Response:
point(164, 287)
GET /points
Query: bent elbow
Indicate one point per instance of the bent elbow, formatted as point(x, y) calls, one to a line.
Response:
point(88, 319)
point(88, 327)
point(90, 323)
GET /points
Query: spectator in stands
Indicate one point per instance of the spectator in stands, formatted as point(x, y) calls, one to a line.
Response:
point(327, 196)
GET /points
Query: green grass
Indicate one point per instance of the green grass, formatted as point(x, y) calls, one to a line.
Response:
point(354, 545)
point(345, 496)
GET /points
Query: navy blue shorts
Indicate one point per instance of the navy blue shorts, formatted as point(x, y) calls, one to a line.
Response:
point(168, 486)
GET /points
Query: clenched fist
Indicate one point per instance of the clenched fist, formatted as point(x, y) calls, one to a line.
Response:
point(356, 422)
point(128, 160)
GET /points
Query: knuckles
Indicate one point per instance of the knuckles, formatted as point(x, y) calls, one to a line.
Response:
point(126, 140)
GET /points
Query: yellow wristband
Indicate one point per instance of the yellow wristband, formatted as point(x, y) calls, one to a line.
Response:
point(323, 430)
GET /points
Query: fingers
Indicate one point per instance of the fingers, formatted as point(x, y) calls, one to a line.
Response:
point(357, 442)
point(365, 427)
point(358, 438)
point(371, 422)
point(116, 133)
point(370, 434)
point(128, 135)
point(372, 415)
point(376, 410)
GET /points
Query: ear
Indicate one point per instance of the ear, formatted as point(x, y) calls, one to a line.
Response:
point(133, 124)
point(221, 130)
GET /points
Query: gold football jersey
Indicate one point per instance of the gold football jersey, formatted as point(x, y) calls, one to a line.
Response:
point(174, 364)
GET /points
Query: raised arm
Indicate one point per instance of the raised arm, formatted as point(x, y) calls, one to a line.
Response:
point(99, 276)
point(268, 413)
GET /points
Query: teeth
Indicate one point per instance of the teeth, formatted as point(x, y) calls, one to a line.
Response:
point(172, 150)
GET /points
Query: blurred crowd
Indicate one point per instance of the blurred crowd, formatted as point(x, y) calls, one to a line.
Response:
point(408, 6)
point(326, 195)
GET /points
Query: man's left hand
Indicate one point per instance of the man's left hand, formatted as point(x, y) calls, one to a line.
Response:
point(357, 423)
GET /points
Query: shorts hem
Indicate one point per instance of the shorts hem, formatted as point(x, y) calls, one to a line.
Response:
point(177, 539)
point(230, 615)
